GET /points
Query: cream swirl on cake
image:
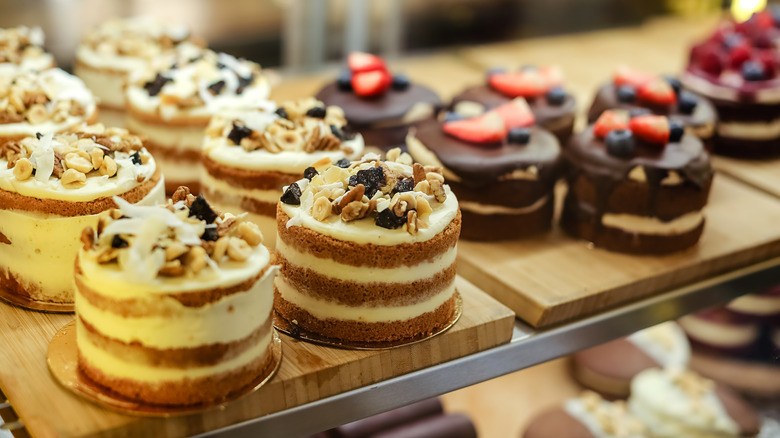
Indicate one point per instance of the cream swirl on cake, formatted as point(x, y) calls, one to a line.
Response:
point(173, 106)
point(51, 188)
point(368, 250)
point(22, 47)
point(250, 155)
point(174, 302)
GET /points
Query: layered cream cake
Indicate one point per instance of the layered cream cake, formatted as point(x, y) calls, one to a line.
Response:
point(51, 188)
point(367, 250)
point(50, 101)
point(248, 157)
point(174, 303)
point(22, 48)
point(109, 54)
point(172, 107)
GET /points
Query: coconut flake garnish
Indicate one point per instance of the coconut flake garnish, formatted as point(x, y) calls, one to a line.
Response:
point(43, 158)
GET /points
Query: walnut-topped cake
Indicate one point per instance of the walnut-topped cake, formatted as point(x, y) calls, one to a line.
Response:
point(174, 303)
point(367, 250)
point(21, 48)
point(172, 106)
point(51, 187)
point(250, 155)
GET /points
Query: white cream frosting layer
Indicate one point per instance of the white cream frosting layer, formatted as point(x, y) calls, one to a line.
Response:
point(670, 413)
point(186, 137)
point(665, 343)
point(750, 130)
point(232, 318)
point(652, 225)
point(44, 247)
point(364, 274)
point(722, 335)
point(322, 309)
point(487, 209)
point(113, 366)
point(756, 304)
point(365, 231)
point(709, 89)
point(577, 409)
point(106, 85)
point(234, 194)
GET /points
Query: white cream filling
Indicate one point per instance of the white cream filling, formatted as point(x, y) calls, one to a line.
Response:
point(36, 63)
point(106, 85)
point(322, 309)
point(424, 156)
point(232, 318)
point(665, 343)
point(364, 274)
point(112, 117)
point(234, 194)
point(671, 413)
point(111, 61)
point(114, 366)
point(708, 89)
point(28, 129)
point(721, 335)
point(43, 247)
point(652, 225)
point(756, 304)
point(577, 409)
point(750, 130)
point(487, 209)
point(179, 171)
point(184, 137)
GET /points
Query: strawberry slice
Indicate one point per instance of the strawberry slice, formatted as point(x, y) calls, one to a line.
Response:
point(609, 121)
point(516, 114)
point(360, 62)
point(528, 83)
point(738, 55)
point(371, 83)
point(487, 128)
point(629, 76)
point(651, 128)
point(658, 91)
point(552, 74)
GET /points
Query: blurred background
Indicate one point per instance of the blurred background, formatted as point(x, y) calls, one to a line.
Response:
point(304, 35)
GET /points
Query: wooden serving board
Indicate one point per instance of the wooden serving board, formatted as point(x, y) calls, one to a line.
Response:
point(761, 174)
point(555, 278)
point(308, 373)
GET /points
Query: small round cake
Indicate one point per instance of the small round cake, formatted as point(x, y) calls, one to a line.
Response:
point(762, 308)
point(677, 403)
point(502, 168)
point(22, 48)
point(720, 331)
point(737, 68)
point(378, 105)
point(40, 103)
point(587, 416)
point(249, 156)
point(636, 186)
point(609, 368)
point(110, 53)
point(639, 92)
point(172, 107)
point(553, 107)
point(174, 303)
point(367, 251)
point(54, 186)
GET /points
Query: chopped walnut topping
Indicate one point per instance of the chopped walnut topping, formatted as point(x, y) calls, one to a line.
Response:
point(40, 97)
point(138, 37)
point(612, 417)
point(19, 43)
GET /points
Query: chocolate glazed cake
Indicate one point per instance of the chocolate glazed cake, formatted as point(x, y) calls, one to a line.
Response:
point(635, 193)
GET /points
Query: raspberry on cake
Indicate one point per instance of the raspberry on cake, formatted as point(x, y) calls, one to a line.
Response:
point(51, 188)
point(174, 302)
point(49, 101)
point(250, 155)
point(553, 107)
point(110, 53)
point(172, 107)
point(636, 185)
point(502, 167)
point(639, 92)
point(22, 48)
point(377, 104)
point(367, 251)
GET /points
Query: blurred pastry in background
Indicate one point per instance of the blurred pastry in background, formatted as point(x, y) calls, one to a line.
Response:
point(21, 48)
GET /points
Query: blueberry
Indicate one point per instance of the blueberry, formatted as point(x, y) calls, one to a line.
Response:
point(344, 82)
point(202, 210)
point(343, 163)
point(636, 112)
point(373, 179)
point(674, 83)
point(154, 86)
point(217, 87)
point(281, 112)
point(556, 96)
point(687, 102)
point(244, 82)
point(626, 94)
point(620, 143)
point(136, 158)
point(316, 112)
point(210, 234)
point(343, 133)
point(400, 82)
point(733, 40)
point(238, 133)
point(118, 242)
point(753, 71)
point(292, 195)
point(387, 219)
point(310, 173)
point(676, 131)
point(404, 185)
point(519, 135)
point(495, 71)
point(452, 117)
